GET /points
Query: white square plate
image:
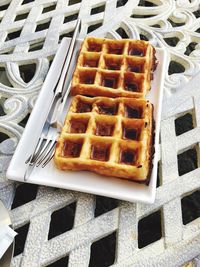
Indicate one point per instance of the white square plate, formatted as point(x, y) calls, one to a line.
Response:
point(85, 181)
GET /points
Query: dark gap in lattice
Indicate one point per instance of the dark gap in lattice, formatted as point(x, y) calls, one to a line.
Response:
point(197, 13)
point(2, 112)
point(24, 193)
point(27, 1)
point(146, 3)
point(159, 174)
point(63, 262)
point(175, 67)
point(121, 3)
point(135, 16)
point(3, 137)
point(24, 121)
point(104, 204)
point(50, 58)
point(2, 100)
point(190, 48)
point(143, 37)
point(187, 161)
point(4, 77)
point(13, 35)
point(103, 251)
point(176, 24)
point(198, 30)
point(20, 239)
point(35, 47)
point(156, 26)
point(98, 9)
point(27, 72)
point(69, 18)
point(172, 41)
point(184, 124)
point(4, 7)
point(149, 229)
point(21, 16)
point(49, 8)
point(190, 207)
point(122, 33)
point(69, 34)
point(62, 220)
point(8, 51)
point(73, 2)
point(43, 26)
point(91, 28)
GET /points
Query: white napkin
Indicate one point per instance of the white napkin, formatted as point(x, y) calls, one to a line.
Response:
point(6, 238)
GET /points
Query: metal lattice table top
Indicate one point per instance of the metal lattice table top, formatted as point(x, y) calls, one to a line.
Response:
point(64, 228)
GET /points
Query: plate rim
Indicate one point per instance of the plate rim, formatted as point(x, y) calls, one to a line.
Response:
point(152, 193)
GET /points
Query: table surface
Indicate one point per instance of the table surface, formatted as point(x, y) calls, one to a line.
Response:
point(59, 227)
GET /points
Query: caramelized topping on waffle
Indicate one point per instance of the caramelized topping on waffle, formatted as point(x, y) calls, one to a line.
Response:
point(87, 77)
point(104, 129)
point(136, 52)
point(78, 126)
point(132, 112)
point(108, 136)
point(130, 133)
point(71, 149)
point(100, 152)
point(131, 86)
point(112, 63)
point(83, 107)
point(109, 82)
point(94, 46)
point(107, 110)
point(91, 63)
point(116, 48)
point(127, 157)
point(114, 68)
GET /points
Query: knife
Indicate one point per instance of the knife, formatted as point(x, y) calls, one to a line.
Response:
point(59, 92)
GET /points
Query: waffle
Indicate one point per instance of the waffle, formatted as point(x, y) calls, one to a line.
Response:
point(114, 68)
point(109, 136)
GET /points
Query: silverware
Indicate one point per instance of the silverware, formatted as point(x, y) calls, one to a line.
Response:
point(54, 132)
point(46, 140)
point(5, 261)
point(55, 127)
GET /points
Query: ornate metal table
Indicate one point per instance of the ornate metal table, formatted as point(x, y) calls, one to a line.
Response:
point(59, 227)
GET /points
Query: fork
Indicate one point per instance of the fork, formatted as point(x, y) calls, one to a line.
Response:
point(53, 134)
point(45, 141)
point(48, 139)
point(55, 128)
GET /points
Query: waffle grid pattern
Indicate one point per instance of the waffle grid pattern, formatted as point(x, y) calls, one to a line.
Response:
point(112, 137)
point(114, 68)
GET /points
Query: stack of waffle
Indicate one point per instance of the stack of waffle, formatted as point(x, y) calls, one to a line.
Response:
point(110, 133)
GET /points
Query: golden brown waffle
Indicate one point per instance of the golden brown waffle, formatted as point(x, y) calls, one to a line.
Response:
point(114, 68)
point(109, 136)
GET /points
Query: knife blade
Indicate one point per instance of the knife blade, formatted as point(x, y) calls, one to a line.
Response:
point(59, 92)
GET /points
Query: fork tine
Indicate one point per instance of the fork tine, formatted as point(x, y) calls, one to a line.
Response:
point(46, 152)
point(50, 155)
point(43, 151)
point(35, 152)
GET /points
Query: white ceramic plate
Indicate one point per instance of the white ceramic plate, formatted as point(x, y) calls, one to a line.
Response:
point(85, 181)
point(5, 221)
